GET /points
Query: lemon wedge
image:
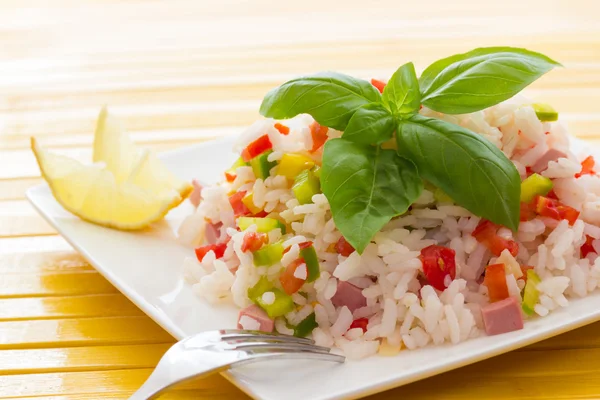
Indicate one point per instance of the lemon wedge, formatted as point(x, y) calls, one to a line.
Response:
point(127, 187)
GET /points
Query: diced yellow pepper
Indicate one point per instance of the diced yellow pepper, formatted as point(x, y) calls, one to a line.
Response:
point(248, 201)
point(291, 165)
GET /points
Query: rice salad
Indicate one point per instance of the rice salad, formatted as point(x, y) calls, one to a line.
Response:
point(265, 240)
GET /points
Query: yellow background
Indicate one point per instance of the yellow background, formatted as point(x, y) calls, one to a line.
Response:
point(183, 71)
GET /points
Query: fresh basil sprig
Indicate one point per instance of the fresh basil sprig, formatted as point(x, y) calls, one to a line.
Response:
point(367, 185)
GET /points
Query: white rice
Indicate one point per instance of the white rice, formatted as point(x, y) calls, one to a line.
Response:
point(402, 310)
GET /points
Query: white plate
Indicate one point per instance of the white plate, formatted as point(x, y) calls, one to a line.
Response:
point(146, 267)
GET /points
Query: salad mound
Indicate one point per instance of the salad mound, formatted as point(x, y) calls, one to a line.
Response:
point(377, 216)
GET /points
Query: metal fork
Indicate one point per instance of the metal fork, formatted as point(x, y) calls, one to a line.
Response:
point(214, 351)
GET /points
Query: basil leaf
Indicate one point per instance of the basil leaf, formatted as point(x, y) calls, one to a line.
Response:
point(401, 94)
point(331, 98)
point(481, 78)
point(370, 124)
point(466, 166)
point(366, 186)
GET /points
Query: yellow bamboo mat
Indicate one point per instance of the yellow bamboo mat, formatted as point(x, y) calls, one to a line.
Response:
point(184, 71)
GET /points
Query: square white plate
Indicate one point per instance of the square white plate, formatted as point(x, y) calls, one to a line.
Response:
point(147, 268)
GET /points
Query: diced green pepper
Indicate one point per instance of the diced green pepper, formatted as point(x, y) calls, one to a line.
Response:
point(263, 285)
point(305, 327)
point(535, 185)
point(282, 305)
point(264, 225)
point(268, 255)
point(441, 197)
point(317, 171)
point(531, 294)
point(306, 185)
point(261, 166)
point(312, 263)
point(238, 163)
point(545, 112)
point(291, 165)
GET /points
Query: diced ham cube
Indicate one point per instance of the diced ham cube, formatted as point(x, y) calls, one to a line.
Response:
point(212, 233)
point(502, 316)
point(348, 295)
point(542, 163)
point(255, 318)
point(196, 195)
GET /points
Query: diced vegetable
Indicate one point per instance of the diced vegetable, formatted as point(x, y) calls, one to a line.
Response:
point(319, 135)
point(440, 196)
point(291, 165)
point(343, 247)
point(309, 255)
point(257, 147)
point(587, 167)
point(253, 241)
point(289, 281)
point(268, 255)
point(438, 263)
point(527, 212)
point(587, 247)
point(263, 285)
point(524, 269)
point(380, 85)
point(545, 112)
point(317, 171)
point(306, 185)
point(248, 201)
point(554, 209)
point(495, 281)
point(284, 130)
point(264, 225)
point(305, 327)
point(219, 250)
point(230, 174)
point(282, 305)
point(531, 294)
point(261, 166)
point(360, 323)
point(239, 208)
point(485, 233)
point(534, 185)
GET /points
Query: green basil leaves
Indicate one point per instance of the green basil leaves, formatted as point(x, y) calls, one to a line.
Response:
point(481, 78)
point(367, 185)
point(330, 98)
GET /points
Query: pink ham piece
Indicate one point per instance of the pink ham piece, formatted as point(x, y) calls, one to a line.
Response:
point(212, 234)
point(551, 155)
point(502, 316)
point(257, 316)
point(196, 195)
point(349, 295)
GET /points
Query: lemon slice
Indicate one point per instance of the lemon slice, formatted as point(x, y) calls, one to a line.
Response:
point(128, 188)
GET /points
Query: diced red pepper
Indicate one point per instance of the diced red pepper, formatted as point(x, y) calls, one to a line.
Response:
point(239, 208)
point(378, 84)
point(527, 212)
point(284, 130)
point(219, 250)
point(319, 135)
point(438, 262)
point(289, 282)
point(360, 323)
point(257, 147)
point(485, 233)
point(495, 281)
point(343, 247)
point(230, 177)
point(253, 241)
point(554, 209)
point(261, 214)
point(528, 171)
point(587, 167)
point(587, 247)
point(552, 195)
